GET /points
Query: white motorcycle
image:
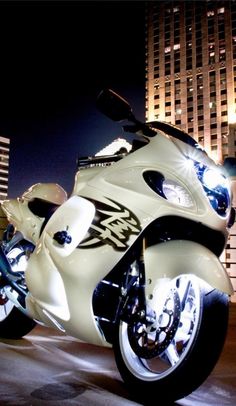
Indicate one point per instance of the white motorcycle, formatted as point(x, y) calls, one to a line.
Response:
point(130, 260)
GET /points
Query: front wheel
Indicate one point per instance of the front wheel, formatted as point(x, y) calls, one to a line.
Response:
point(169, 353)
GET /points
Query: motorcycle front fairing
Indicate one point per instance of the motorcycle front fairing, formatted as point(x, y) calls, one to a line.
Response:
point(178, 194)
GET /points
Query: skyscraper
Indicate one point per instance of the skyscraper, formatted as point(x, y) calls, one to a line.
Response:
point(191, 70)
point(191, 79)
point(4, 166)
point(4, 171)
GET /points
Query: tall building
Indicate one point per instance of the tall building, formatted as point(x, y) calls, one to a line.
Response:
point(191, 70)
point(4, 166)
point(191, 79)
point(4, 171)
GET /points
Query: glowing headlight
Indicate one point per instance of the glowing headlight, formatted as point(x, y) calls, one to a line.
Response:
point(216, 187)
point(212, 179)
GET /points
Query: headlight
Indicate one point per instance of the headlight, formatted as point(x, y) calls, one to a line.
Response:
point(168, 189)
point(216, 187)
point(176, 193)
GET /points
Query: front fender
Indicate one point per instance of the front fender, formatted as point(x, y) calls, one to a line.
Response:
point(172, 258)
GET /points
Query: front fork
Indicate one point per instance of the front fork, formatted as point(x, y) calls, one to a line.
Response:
point(133, 304)
point(132, 299)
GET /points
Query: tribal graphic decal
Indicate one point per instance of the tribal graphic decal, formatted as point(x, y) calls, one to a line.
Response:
point(113, 224)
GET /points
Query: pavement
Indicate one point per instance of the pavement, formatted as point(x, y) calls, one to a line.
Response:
point(52, 369)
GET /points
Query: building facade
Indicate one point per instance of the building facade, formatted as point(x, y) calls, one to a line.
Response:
point(191, 78)
point(4, 172)
point(4, 166)
point(191, 70)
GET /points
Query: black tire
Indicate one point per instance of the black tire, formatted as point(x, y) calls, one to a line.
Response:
point(16, 324)
point(195, 363)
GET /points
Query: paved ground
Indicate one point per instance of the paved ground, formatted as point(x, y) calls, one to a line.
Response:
point(51, 369)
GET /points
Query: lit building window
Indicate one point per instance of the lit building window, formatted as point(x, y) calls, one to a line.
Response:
point(221, 10)
point(210, 13)
point(176, 46)
point(222, 54)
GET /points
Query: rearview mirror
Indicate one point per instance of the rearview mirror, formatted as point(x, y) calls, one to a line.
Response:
point(113, 105)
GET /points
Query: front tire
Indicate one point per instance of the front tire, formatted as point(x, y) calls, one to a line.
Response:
point(172, 356)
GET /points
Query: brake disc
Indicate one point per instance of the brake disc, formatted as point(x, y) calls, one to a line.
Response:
point(149, 340)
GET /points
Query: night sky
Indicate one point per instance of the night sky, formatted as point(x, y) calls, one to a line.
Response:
point(55, 59)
